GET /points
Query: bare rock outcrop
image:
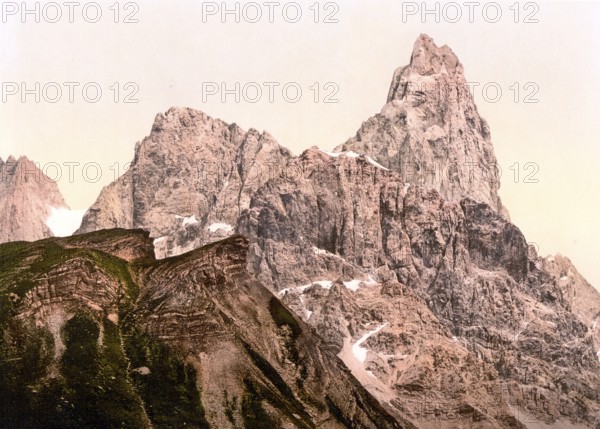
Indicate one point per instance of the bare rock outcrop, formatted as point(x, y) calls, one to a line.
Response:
point(189, 181)
point(367, 241)
point(27, 199)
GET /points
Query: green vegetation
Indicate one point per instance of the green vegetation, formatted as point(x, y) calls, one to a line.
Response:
point(169, 390)
point(95, 377)
point(89, 386)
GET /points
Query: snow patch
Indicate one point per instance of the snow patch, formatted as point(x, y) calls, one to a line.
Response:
point(360, 352)
point(406, 187)
point(143, 370)
point(159, 240)
point(325, 284)
point(188, 220)
point(64, 222)
point(220, 227)
point(353, 285)
point(371, 281)
point(550, 259)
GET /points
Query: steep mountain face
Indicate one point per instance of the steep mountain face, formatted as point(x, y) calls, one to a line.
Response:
point(28, 198)
point(189, 181)
point(92, 339)
point(396, 250)
point(430, 130)
point(364, 239)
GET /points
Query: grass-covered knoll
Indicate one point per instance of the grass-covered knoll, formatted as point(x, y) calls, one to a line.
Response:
point(22, 264)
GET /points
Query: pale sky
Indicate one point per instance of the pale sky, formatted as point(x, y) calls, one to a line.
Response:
point(170, 55)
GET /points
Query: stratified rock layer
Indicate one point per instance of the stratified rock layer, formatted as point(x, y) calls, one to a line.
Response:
point(92, 340)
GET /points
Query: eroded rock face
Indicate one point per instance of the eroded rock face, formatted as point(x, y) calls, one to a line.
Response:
point(430, 130)
point(27, 197)
point(90, 339)
point(189, 181)
point(373, 248)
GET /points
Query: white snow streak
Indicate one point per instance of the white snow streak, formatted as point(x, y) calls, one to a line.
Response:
point(359, 352)
point(352, 154)
point(376, 164)
point(325, 284)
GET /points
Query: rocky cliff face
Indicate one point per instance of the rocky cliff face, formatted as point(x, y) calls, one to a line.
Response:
point(93, 340)
point(372, 248)
point(397, 250)
point(430, 130)
point(189, 181)
point(27, 199)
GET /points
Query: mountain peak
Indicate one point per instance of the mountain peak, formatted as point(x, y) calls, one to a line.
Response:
point(430, 130)
point(427, 58)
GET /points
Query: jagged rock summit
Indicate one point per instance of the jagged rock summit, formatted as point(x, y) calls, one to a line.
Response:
point(430, 131)
point(189, 181)
point(28, 198)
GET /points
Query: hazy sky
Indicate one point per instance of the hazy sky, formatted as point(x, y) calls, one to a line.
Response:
point(178, 50)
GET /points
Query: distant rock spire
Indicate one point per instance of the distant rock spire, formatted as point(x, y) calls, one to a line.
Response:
point(430, 130)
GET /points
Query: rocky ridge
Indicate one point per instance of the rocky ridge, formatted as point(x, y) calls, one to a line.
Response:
point(93, 340)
